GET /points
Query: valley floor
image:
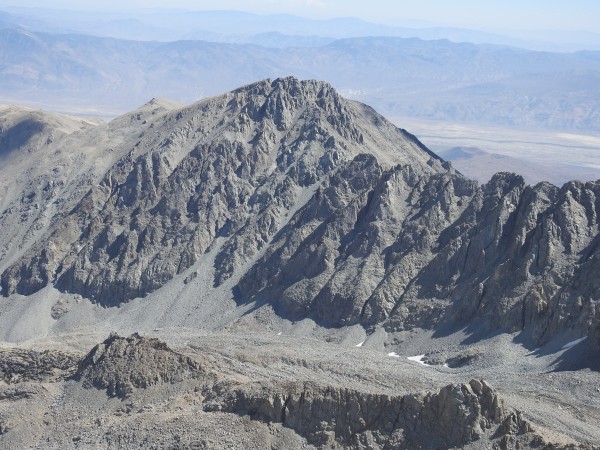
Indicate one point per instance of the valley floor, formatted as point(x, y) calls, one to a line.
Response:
point(542, 155)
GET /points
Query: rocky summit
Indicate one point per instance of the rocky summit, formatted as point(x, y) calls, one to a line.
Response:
point(272, 234)
point(235, 167)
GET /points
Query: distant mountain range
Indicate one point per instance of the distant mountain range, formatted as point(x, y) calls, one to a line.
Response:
point(429, 79)
point(242, 27)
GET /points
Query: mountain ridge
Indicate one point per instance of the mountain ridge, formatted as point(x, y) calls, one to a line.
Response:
point(278, 120)
point(536, 89)
point(317, 206)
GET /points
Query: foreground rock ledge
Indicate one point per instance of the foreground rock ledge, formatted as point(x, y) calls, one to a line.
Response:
point(469, 415)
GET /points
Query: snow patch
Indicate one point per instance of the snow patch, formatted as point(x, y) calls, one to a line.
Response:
point(419, 359)
point(360, 344)
point(573, 343)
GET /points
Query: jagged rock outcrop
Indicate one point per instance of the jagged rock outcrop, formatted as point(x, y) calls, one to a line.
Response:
point(520, 256)
point(229, 394)
point(322, 208)
point(17, 365)
point(439, 249)
point(414, 252)
point(235, 166)
point(351, 251)
point(329, 417)
point(121, 365)
point(516, 432)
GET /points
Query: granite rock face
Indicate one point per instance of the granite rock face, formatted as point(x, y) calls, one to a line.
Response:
point(522, 256)
point(351, 252)
point(417, 251)
point(320, 207)
point(233, 166)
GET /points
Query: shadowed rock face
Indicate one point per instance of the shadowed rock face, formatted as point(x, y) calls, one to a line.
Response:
point(29, 131)
point(121, 365)
point(323, 209)
point(522, 256)
point(349, 254)
point(456, 416)
point(376, 246)
point(19, 135)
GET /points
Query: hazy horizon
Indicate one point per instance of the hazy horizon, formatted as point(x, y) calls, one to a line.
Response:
point(495, 16)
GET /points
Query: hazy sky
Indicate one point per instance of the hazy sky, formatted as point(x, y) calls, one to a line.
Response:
point(482, 14)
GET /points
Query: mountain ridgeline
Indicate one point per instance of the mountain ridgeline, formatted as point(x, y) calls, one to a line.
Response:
point(316, 205)
point(402, 77)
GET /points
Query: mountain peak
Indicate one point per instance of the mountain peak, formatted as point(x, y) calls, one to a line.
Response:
point(290, 84)
point(283, 99)
point(153, 107)
point(284, 193)
point(164, 103)
point(229, 166)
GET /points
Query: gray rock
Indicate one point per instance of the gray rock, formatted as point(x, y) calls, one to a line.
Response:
point(414, 253)
point(121, 365)
point(232, 166)
point(5, 425)
point(320, 207)
point(17, 365)
point(329, 417)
